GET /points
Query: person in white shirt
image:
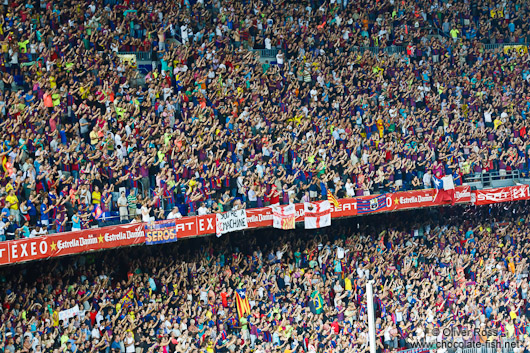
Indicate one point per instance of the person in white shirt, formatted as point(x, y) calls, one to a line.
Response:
point(268, 43)
point(203, 210)
point(280, 59)
point(122, 205)
point(145, 213)
point(95, 333)
point(252, 197)
point(38, 231)
point(350, 189)
point(174, 214)
point(184, 33)
point(427, 179)
point(341, 252)
point(3, 226)
point(129, 343)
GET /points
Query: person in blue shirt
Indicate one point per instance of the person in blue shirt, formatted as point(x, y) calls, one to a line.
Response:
point(152, 284)
point(76, 221)
point(29, 98)
point(25, 230)
point(44, 213)
point(115, 343)
point(5, 212)
point(32, 211)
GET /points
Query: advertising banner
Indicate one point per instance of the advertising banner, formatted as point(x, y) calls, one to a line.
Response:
point(171, 230)
point(318, 215)
point(259, 217)
point(372, 204)
point(95, 239)
point(505, 194)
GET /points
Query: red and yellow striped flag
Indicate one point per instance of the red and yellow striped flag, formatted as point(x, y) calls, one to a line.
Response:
point(334, 201)
point(242, 304)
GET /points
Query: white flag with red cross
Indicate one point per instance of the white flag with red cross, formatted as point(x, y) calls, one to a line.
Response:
point(317, 214)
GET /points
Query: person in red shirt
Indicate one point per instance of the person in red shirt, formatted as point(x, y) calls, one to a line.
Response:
point(335, 326)
point(274, 196)
point(224, 299)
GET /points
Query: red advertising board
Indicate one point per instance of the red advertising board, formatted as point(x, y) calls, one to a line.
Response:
point(95, 239)
point(262, 217)
point(70, 243)
point(423, 198)
point(30, 249)
point(505, 194)
point(206, 224)
point(4, 253)
point(171, 230)
point(259, 217)
point(348, 207)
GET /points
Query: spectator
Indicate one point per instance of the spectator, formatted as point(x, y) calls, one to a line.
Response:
point(145, 210)
point(132, 204)
point(202, 210)
point(174, 214)
point(123, 203)
point(76, 221)
point(3, 227)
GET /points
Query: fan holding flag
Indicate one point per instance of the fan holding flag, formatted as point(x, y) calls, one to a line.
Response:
point(242, 303)
point(445, 189)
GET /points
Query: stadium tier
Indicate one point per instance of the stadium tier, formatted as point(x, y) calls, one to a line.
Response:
point(444, 279)
point(112, 110)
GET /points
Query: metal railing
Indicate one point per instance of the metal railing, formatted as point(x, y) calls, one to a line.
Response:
point(493, 177)
point(393, 49)
point(140, 55)
point(495, 46)
point(267, 53)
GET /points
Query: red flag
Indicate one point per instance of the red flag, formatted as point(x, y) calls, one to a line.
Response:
point(445, 190)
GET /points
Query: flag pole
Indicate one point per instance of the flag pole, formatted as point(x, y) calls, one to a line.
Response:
point(371, 319)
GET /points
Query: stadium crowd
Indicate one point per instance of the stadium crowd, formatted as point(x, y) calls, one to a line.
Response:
point(433, 273)
point(215, 127)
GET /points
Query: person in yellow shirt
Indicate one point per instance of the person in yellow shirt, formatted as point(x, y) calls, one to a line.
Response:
point(496, 123)
point(55, 318)
point(13, 204)
point(96, 196)
point(347, 283)
point(210, 347)
point(53, 83)
point(94, 138)
point(454, 34)
point(510, 328)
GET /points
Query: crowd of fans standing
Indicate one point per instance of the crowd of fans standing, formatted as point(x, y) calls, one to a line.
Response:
point(215, 127)
point(456, 275)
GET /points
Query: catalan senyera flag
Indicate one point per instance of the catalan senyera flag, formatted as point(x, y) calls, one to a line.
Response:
point(332, 199)
point(242, 304)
